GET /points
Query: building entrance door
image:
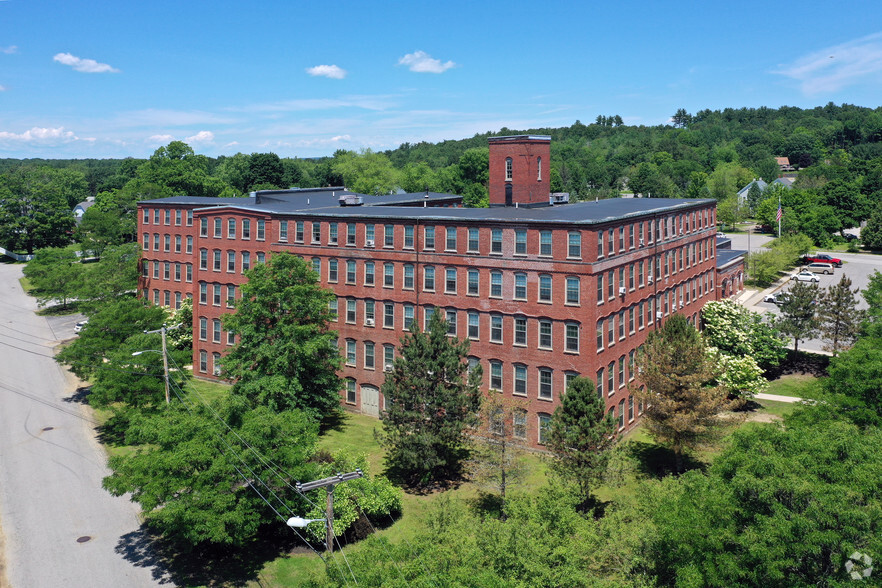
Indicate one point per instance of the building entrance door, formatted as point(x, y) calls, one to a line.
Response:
point(370, 401)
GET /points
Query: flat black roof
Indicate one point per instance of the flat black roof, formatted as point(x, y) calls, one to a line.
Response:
point(326, 203)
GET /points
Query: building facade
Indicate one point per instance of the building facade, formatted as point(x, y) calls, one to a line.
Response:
point(543, 293)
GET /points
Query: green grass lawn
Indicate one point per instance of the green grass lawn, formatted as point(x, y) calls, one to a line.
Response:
point(796, 385)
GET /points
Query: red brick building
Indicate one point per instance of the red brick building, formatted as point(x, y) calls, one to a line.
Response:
point(544, 293)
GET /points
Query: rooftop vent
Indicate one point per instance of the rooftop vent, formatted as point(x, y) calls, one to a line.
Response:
point(351, 200)
point(559, 198)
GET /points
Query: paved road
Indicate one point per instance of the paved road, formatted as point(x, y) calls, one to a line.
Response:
point(60, 527)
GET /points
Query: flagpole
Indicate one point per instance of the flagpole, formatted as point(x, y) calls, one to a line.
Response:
point(779, 215)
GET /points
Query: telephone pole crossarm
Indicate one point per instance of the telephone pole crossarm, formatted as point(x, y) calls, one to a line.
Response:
point(329, 513)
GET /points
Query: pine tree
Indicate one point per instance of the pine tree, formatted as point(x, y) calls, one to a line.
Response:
point(840, 320)
point(431, 399)
point(798, 319)
point(682, 405)
point(581, 435)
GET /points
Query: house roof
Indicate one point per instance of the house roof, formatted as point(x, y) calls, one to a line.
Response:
point(760, 183)
point(782, 160)
point(786, 182)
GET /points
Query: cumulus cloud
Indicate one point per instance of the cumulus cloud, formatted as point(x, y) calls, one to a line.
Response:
point(39, 135)
point(422, 62)
point(201, 137)
point(160, 139)
point(9, 50)
point(836, 67)
point(83, 65)
point(327, 71)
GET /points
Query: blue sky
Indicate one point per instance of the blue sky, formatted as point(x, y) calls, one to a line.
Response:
point(303, 79)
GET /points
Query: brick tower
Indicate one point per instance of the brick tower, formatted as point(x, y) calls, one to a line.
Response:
point(519, 170)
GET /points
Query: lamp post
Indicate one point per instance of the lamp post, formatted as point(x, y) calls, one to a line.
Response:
point(329, 512)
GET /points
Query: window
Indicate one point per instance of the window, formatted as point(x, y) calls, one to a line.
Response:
point(450, 281)
point(231, 296)
point(473, 240)
point(369, 273)
point(155, 241)
point(474, 325)
point(429, 278)
point(520, 330)
point(621, 238)
point(520, 379)
point(388, 275)
point(332, 233)
point(408, 316)
point(631, 320)
point(317, 266)
point(520, 291)
point(574, 245)
point(572, 290)
point(261, 230)
point(621, 324)
point(611, 378)
point(610, 331)
point(451, 239)
point(216, 330)
point(408, 237)
point(231, 228)
point(545, 390)
point(350, 271)
point(155, 270)
point(189, 218)
point(177, 243)
point(246, 228)
point(166, 243)
point(231, 261)
point(388, 357)
point(332, 308)
point(350, 391)
point(429, 238)
point(450, 317)
point(203, 293)
point(630, 408)
point(545, 243)
point(369, 235)
point(496, 241)
point(427, 317)
point(177, 300)
point(388, 235)
point(167, 216)
point(146, 216)
point(388, 315)
point(544, 427)
point(520, 241)
point(600, 325)
point(630, 236)
point(203, 328)
point(203, 227)
point(599, 243)
point(519, 423)
point(545, 331)
point(599, 288)
point(495, 375)
point(217, 226)
point(350, 310)
point(369, 310)
point(496, 328)
point(600, 383)
point(216, 294)
point(316, 232)
point(621, 414)
point(473, 282)
point(631, 276)
point(495, 284)
point(631, 359)
point(369, 355)
point(246, 261)
point(146, 241)
point(216, 255)
point(203, 360)
point(189, 244)
point(621, 371)
point(611, 239)
point(283, 231)
point(572, 338)
point(408, 277)
point(508, 169)
point(332, 270)
point(538, 169)
point(350, 352)
point(544, 288)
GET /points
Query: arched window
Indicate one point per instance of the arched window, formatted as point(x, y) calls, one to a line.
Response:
point(539, 169)
point(508, 166)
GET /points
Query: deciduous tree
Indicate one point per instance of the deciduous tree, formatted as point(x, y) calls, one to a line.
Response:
point(683, 405)
point(581, 436)
point(431, 400)
point(55, 273)
point(736, 331)
point(285, 356)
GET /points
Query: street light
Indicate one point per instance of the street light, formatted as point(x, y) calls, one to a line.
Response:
point(301, 522)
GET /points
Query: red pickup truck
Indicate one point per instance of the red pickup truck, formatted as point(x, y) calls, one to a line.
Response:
point(822, 258)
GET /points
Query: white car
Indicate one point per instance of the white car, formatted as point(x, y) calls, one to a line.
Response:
point(79, 326)
point(779, 298)
point(805, 276)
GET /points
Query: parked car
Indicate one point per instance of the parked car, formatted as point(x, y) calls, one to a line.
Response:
point(79, 326)
point(820, 268)
point(779, 298)
point(805, 276)
point(822, 258)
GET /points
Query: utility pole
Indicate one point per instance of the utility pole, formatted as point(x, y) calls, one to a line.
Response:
point(329, 510)
point(164, 359)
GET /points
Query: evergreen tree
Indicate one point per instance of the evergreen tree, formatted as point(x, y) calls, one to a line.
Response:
point(285, 356)
point(798, 319)
point(581, 435)
point(431, 399)
point(838, 316)
point(682, 405)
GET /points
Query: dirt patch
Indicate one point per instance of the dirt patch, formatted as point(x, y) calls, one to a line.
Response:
point(762, 417)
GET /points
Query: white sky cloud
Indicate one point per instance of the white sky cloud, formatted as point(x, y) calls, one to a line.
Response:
point(201, 137)
point(328, 71)
point(836, 67)
point(83, 65)
point(160, 138)
point(422, 62)
point(39, 135)
point(2, 88)
point(9, 50)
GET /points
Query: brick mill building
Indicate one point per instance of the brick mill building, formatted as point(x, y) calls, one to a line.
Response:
point(544, 291)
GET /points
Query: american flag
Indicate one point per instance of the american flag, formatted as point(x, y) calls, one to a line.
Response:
point(779, 214)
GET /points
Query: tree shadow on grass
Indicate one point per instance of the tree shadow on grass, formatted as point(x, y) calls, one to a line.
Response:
point(335, 421)
point(655, 461)
point(486, 504)
point(173, 565)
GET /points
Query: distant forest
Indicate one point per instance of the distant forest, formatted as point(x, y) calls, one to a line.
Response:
point(837, 151)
